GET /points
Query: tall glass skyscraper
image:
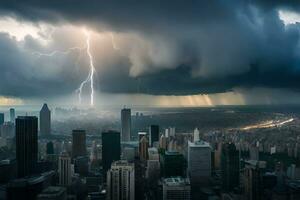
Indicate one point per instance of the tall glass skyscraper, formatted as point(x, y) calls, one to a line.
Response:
point(111, 149)
point(45, 121)
point(12, 114)
point(26, 144)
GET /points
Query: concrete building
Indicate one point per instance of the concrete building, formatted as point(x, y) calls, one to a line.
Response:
point(153, 153)
point(176, 188)
point(26, 145)
point(45, 121)
point(196, 135)
point(199, 162)
point(7, 130)
point(120, 181)
point(163, 142)
point(125, 124)
point(64, 169)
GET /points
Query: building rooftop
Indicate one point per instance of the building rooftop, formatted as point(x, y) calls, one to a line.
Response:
point(200, 143)
point(176, 181)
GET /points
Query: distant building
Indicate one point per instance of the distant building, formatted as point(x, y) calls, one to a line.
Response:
point(143, 148)
point(78, 143)
point(49, 148)
point(53, 193)
point(111, 149)
point(172, 164)
point(120, 181)
point(128, 154)
point(81, 165)
point(230, 165)
point(196, 135)
point(1, 118)
point(153, 166)
point(153, 153)
point(126, 124)
point(176, 188)
point(64, 169)
point(163, 142)
point(199, 162)
point(7, 130)
point(153, 134)
point(12, 114)
point(26, 145)
point(45, 121)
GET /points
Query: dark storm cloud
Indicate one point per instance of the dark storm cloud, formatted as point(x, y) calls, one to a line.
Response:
point(214, 46)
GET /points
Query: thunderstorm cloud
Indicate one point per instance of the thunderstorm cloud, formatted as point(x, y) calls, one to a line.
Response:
point(151, 47)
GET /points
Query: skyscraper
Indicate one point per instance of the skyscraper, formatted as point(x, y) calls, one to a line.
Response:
point(196, 135)
point(120, 181)
point(1, 118)
point(111, 149)
point(126, 124)
point(64, 169)
point(199, 162)
point(153, 134)
point(45, 121)
point(26, 144)
point(12, 115)
point(78, 143)
point(172, 164)
point(230, 165)
point(143, 148)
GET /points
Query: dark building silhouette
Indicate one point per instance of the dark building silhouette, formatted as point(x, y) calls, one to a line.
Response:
point(50, 148)
point(26, 144)
point(230, 165)
point(1, 118)
point(126, 124)
point(79, 143)
point(111, 149)
point(45, 121)
point(172, 164)
point(153, 134)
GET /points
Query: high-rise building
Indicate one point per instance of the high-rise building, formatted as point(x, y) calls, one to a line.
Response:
point(253, 182)
point(126, 124)
point(111, 149)
point(78, 143)
point(230, 165)
point(45, 121)
point(120, 181)
point(176, 188)
point(1, 118)
point(153, 134)
point(143, 148)
point(26, 144)
point(64, 169)
point(49, 148)
point(163, 142)
point(172, 164)
point(199, 162)
point(12, 113)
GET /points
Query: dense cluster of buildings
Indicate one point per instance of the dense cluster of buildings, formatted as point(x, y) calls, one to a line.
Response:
point(160, 164)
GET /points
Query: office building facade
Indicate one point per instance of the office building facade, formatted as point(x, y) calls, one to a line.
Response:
point(45, 121)
point(125, 124)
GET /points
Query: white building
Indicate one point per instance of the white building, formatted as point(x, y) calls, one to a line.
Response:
point(176, 188)
point(120, 181)
point(196, 135)
point(199, 161)
point(64, 169)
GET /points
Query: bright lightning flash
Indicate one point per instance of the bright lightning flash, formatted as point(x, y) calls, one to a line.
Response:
point(90, 77)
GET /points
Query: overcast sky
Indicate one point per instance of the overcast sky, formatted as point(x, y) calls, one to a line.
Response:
point(154, 52)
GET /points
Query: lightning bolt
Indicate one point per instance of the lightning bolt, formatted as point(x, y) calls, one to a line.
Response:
point(90, 77)
point(39, 54)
